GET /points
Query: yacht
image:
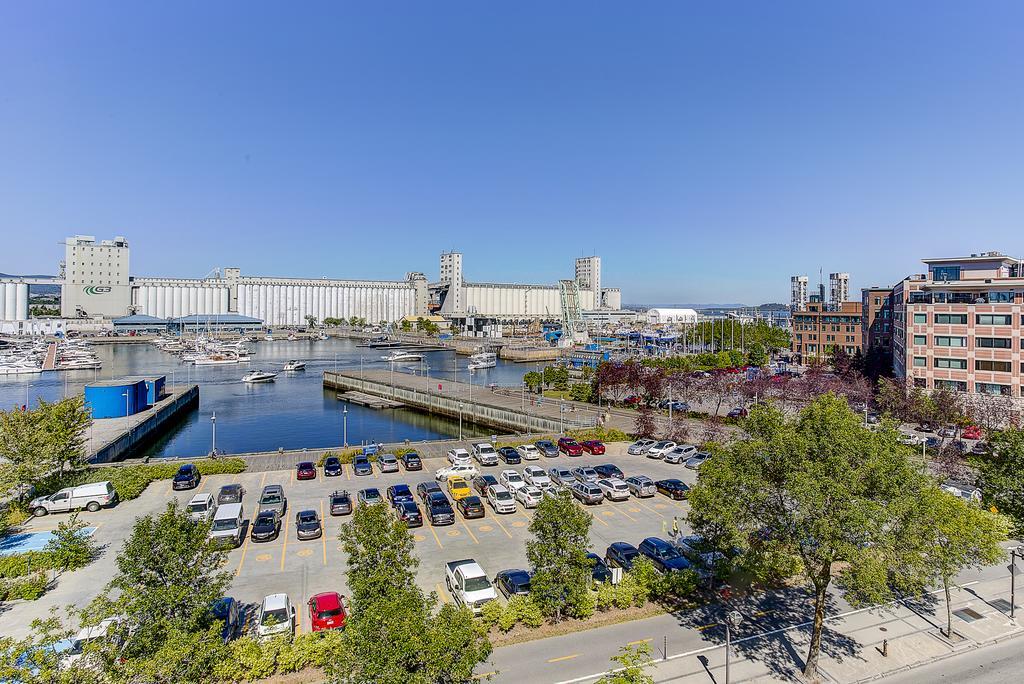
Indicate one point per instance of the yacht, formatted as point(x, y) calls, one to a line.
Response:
point(259, 376)
point(483, 360)
point(19, 368)
point(268, 338)
point(402, 356)
point(77, 364)
point(216, 359)
point(294, 365)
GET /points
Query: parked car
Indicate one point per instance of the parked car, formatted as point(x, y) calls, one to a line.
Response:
point(561, 476)
point(599, 571)
point(528, 451)
point(570, 446)
point(665, 556)
point(482, 482)
point(272, 498)
point(926, 427)
point(201, 507)
point(933, 442)
point(227, 610)
point(680, 406)
point(971, 432)
point(276, 615)
point(399, 492)
point(332, 466)
point(511, 479)
point(464, 471)
point(947, 431)
point(468, 584)
point(340, 503)
point(231, 493)
point(909, 439)
point(529, 496)
point(411, 461)
point(980, 448)
point(585, 474)
point(680, 453)
point(547, 448)
point(587, 493)
point(471, 507)
point(621, 555)
point(673, 488)
point(553, 492)
point(187, 477)
point(307, 525)
point(608, 470)
point(425, 489)
point(485, 454)
point(387, 463)
point(369, 496)
point(458, 488)
point(305, 470)
point(697, 460)
point(513, 582)
point(640, 446)
point(641, 486)
point(266, 527)
point(738, 412)
point(226, 529)
point(700, 554)
point(593, 447)
point(327, 610)
point(459, 457)
point(439, 510)
point(961, 490)
point(501, 499)
point(614, 489)
point(536, 476)
point(509, 455)
point(408, 512)
point(91, 497)
point(361, 465)
point(659, 449)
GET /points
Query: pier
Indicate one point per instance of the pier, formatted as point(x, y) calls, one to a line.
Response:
point(111, 439)
point(516, 412)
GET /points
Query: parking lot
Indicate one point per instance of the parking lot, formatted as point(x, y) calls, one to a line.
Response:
point(304, 568)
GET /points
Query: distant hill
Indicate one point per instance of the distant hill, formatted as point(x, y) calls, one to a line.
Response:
point(644, 307)
point(38, 289)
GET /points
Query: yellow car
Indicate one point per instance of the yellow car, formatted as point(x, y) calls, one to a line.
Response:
point(459, 488)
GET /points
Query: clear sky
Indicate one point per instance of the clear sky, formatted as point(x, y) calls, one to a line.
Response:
point(707, 151)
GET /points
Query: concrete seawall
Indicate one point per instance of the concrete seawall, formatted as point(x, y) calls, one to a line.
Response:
point(111, 439)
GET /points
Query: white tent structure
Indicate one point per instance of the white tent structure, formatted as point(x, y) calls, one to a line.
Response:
point(667, 316)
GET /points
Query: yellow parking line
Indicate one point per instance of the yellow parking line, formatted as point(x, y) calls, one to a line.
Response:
point(436, 538)
point(293, 475)
point(440, 593)
point(485, 675)
point(638, 642)
point(648, 508)
point(568, 657)
point(284, 548)
point(473, 536)
point(241, 561)
point(708, 626)
point(501, 526)
point(298, 622)
point(619, 510)
point(263, 480)
point(348, 472)
point(323, 534)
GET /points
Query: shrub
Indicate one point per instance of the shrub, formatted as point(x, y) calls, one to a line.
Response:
point(130, 481)
point(676, 585)
point(22, 564)
point(529, 613)
point(492, 613)
point(604, 599)
point(600, 433)
point(645, 575)
point(509, 616)
point(69, 547)
point(27, 588)
point(344, 456)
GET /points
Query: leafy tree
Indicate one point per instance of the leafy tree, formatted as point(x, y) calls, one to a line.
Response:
point(42, 446)
point(580, 391)
point(830, 494)
point(644, 425)
point(557, 553)
point(756, 355)
point(406, 325)
point(332, 322)
point(842, 362)
point(69, 546)
point(28, 661)
point(891, 398)
point(632, 662)
point(310, 321)
point(533, 379)
point(1001, 476)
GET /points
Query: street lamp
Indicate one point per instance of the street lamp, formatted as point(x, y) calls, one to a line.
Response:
point(470, 385)
point(1014, 552)
point(213, 425)
point(344, 423)
point(460, 421)
point(732, 621)
point(561, 417)
point(127, 414)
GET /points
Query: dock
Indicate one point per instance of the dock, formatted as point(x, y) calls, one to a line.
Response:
point(519, 412)
point(51, 357)
point(111, 439)
point(369, 400)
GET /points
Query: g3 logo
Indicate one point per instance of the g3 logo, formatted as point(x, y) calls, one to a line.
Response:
point(96, 289)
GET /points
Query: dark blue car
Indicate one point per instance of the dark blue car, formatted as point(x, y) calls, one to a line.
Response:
point(513, 582)
point(361, 465)
point(665, 557)
point(332, 466)
point(228, 610)
point(399, 492)
point(187, 477)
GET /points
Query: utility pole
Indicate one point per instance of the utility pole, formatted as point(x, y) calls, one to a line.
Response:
point(213, 424)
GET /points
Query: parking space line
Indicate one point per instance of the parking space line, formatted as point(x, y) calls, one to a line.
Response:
point(618, 510)
point(440, 594)
point(648, 508)
point(263, 480)
point(323, 533)
point(472, 536)
point(502, 526)
point(436, 538)
point(348, 473)
point(593, 516)
point(292, 475)
point(241, 561)
point(284, 548)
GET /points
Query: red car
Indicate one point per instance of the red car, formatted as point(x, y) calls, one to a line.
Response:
point(570, 446)
point(971, 432)
point(327, 611)
point(305, 471)
point(592, 446)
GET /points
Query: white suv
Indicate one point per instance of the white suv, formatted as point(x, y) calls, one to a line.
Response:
point(528, 452)
point(458, 457)
point(511, 479)
point(536, 476)
point(500, 499)
point(485, 454)
point(680, 453)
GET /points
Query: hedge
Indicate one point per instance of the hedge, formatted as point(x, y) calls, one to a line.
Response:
point(27, 588)
point(130, 481)
point(248, 659)
point(22, 564)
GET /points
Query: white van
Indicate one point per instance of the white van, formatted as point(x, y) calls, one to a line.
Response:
point(226, 529)
point(91, 496)
point(201, 507)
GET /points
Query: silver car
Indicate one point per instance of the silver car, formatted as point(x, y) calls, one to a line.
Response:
point(588, 493)
point(529, 496)
point(641, 486)
point(697, 460)
point(640, 446)
point(680, 453)
point(614, 489)
point(585, 474)
point(388, 463)
point(561, 476)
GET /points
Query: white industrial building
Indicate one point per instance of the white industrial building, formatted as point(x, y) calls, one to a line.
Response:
point(671, 316)
point(13, 299)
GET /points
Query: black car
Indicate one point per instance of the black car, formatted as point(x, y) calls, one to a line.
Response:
point(408, 512)
point(361, 465)
point(340, 503)
point(399, 492)
point(513, 582)
point(664, 556)
point(471, 507)
point(425, 489)
point(509, 455)
point(606, 470)
point(439, 510)
point(673, 488)
point(187, 477)
point(266, 527)
point(621, 555)
point(600, 571)
point(547, 447)
point(332, 466)
point(307, 525)
point(482, 482)
point(229, 494)
point(411, 461)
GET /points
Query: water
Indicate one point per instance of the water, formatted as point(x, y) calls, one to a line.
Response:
point(293, 412)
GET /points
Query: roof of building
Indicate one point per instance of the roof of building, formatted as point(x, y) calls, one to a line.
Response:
point(121, 382)
point(139, 319)
point(227, 318)
point(673, 312)
point(984, 256)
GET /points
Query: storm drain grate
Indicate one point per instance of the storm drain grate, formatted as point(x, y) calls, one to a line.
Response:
point(1002, 605)
point(968, 614)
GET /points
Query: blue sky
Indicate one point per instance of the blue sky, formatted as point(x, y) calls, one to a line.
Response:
point(706, 150)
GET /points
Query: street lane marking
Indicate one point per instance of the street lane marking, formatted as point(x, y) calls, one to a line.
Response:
point(501, 526)
point(568, 657)
point(651, 510)
point(436, 538)
point(623, 512)
point(709, 626)
point(241, 561)
point(348, 472)
point(263, 480)
point(637, 642)
point(324, 535)
point(472, 536)
point(485, 675)
point(594, 517)
point(440, 594)
point(284, 547)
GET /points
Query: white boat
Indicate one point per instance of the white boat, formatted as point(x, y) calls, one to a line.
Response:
point(217, 360)
point(78, 364)
point(268, 338)
point(483, 360)
point(402, 356)
point(294, 365)
point(292, 337)
point(259, 376)
point(19, 369)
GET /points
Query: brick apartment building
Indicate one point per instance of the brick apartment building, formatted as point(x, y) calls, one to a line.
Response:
point(876, 317)
point(959, 325)
point(818, 330)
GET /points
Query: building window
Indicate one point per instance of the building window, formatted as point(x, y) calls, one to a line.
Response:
point(993, 343)
point(955, 385)
point(958, 364)
point(920, 319)
point(951, 319)
point(996, 366)
point(992, 319)
point(921, 340)
point(992, 388)
point(1000, 297)
point(920, 361)
point(946, 273)
point(949, 341)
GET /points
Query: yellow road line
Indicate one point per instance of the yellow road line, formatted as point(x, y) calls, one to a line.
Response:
point(617, 510)
point(485, 675)
point(713, 624)
point(348, 472)
point(648, 508)
point(284, 547)
point(473, 536)
point(241, 561)
point(263, 481)
point(293, 475)
point(440, 593)
point(323, 535)
point(568, 657)
point(501, 526)
point(637, 642)
point(595, 517)
point(436, 538)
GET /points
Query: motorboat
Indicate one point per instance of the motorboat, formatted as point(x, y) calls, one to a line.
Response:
point(19, 368)
point(292, 337)
point(483, 360)
point(394, 357)
point(294, 365)
point(78, 364)
point(268, 338)
point(259, 376)
point(217, 360)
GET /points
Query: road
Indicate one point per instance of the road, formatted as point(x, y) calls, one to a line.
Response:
point(1003, 662)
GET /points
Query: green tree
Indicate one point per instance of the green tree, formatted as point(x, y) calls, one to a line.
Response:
point(533, 379)
point(632, 662)
point(834, 496)
point(69, 546)
point(557, 553)
point(29, 661)
point(756, 355)
point(1001, 476)
point(43, 445)
point(406, 325)
point(581, 391)
point(310, 321)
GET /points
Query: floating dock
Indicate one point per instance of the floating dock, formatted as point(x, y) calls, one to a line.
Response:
point(111, 439)
point(369, 400)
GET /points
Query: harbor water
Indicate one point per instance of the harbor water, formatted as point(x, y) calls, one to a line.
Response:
point(293, 412)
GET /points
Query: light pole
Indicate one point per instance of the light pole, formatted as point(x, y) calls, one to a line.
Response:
point(213, 425)
point(392, 379)
point(460, 421)
point(732, 621)
point(127, 415)
point(561, 417)
point(360, 367)
point(470, 385)
point(344, 423)
point(1013, 576)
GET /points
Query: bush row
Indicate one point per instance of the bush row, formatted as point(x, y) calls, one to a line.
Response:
point(520, 609)
point(28, 588)
point(248, 659)
point(130, 481)
point(22, 564)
